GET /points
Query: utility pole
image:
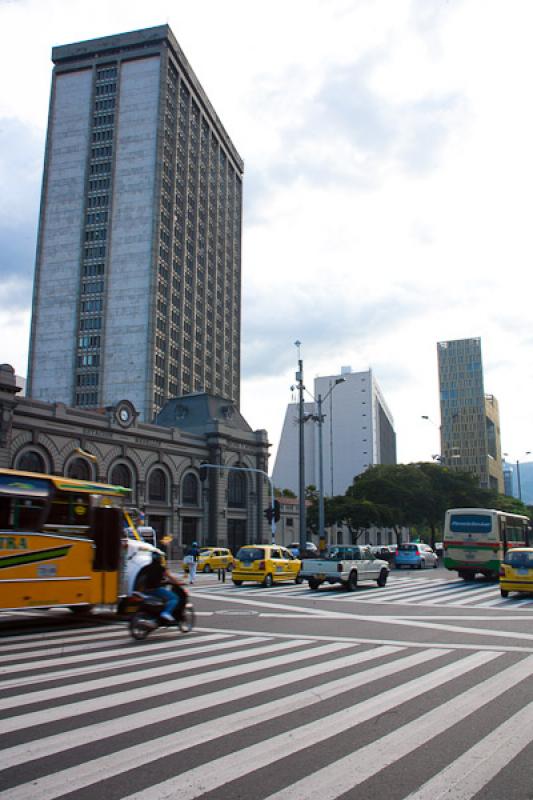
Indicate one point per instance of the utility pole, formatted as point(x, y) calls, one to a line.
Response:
point(301, 452)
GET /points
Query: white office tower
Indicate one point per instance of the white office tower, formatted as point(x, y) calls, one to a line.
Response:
point(357, 432)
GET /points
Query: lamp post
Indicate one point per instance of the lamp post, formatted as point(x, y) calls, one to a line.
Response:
point(518, 482)
point(301, 454)
point(320, 420)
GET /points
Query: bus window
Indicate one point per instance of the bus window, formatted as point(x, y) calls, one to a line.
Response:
point(21, 514)
point(68, 508)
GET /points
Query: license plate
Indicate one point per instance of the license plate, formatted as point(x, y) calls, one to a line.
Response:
point(522, 570)
point(470, 555)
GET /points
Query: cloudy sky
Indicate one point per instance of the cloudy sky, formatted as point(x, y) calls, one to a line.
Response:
point(388, 181)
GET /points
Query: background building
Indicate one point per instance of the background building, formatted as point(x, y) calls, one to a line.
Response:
point(470, 423)
point(357, 431)
point(518, 478)
point(138, 274)
point(159, 463)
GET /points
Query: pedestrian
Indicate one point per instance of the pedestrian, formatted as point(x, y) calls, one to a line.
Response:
point(222, 574)
point(191, 557)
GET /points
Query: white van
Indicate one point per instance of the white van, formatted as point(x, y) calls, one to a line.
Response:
point(139, 557)
point(148, 534)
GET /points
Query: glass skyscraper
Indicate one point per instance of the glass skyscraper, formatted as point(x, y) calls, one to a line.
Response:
point(470, 424)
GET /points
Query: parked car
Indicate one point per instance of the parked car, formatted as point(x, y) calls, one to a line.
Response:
point(415, 555)
point(384, 551)
point(210, 559)
point(311, 550)
point(266, 564)
point(516, 571)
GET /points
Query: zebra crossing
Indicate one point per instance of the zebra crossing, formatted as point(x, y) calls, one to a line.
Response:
point(440, 592)
point(262, 715)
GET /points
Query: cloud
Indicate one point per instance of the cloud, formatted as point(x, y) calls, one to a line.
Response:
point(20, 175)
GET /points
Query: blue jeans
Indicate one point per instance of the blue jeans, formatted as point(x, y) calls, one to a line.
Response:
point(168, 596)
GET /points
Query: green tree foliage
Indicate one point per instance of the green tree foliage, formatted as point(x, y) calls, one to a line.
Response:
point(283, 492)
point(410, 495)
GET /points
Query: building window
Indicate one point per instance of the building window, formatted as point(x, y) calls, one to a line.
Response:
point(236, 490)
point(80, 469)
point(189, 490)
point(157, 487)
point(121, 476)
point(31, 461)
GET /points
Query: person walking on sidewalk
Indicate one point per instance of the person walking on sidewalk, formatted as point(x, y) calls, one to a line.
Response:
point(191, 558)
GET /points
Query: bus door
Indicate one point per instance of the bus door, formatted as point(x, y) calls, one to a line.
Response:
point(503, 537)
point(108, 529)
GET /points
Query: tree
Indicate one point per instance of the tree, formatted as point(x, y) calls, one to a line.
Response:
point(283, 492)
point(419, 494)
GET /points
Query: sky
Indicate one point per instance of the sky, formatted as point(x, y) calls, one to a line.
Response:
point(387, 186)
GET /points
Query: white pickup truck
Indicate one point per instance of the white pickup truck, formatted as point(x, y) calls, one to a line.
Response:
point(347, 565)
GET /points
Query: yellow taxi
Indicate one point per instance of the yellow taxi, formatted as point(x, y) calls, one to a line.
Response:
point(516, 571)
point(210, 559)
point(265, 564)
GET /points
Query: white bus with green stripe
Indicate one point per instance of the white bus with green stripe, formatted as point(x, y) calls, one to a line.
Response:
point(476, 539)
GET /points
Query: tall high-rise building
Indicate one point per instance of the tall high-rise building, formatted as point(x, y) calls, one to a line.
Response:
point(470, 422)
point(138, 273)
point(357, 432)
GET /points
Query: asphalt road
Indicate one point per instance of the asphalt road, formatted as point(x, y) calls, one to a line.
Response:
point(421, 690)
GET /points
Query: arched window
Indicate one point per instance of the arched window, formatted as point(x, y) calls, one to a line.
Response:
point(31, 461)
point(189, 490)
point(80, 469)
point(121, 476)
point(236, 490)
point(157, 487)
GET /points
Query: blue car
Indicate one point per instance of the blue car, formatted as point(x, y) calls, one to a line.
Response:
point(415, 555)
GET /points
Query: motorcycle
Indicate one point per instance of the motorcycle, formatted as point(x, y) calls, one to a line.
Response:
point(147, 616)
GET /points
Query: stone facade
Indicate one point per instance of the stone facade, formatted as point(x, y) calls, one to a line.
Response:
point(161, 463)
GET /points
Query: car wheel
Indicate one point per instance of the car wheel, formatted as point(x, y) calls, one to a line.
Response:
point(268, 581)
point(237, 583)
point(87, 609)
point(207, 569)
point(351, 583)
point(466, 574)
point(313, 584)
point(298, 579)
point(382, 580)
point(504, 593)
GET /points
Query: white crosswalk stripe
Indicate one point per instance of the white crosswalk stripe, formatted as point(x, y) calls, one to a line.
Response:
point(417, 590)
point(177, 719)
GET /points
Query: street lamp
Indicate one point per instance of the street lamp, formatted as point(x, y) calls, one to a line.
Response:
point(519, 484)
point(301, 463)
point(319, 418)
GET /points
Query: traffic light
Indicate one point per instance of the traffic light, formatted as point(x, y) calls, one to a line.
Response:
point(203, 473)
point(277, 511)
point(269, 513)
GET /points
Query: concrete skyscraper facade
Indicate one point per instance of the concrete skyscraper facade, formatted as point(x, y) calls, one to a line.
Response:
point(470, 422)
point(357, 432)
point(138, 273)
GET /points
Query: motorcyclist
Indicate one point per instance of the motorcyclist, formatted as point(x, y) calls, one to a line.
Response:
point(157, 575)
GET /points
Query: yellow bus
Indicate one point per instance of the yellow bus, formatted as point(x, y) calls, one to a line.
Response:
point(62, 541)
